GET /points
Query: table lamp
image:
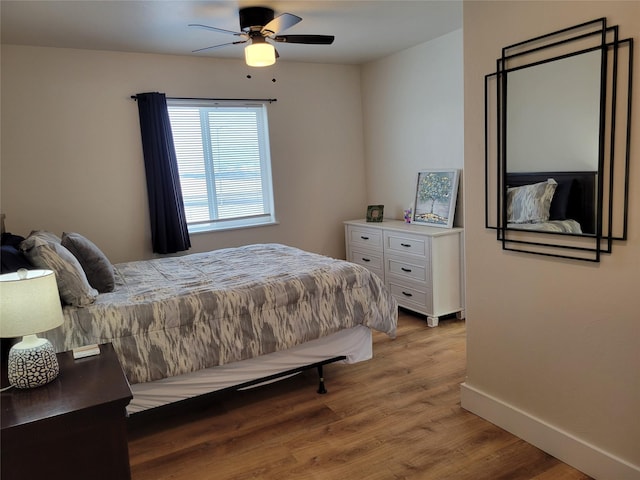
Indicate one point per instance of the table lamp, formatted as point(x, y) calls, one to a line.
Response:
point(30, 304)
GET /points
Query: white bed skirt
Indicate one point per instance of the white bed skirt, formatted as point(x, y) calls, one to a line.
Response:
point(355, 343)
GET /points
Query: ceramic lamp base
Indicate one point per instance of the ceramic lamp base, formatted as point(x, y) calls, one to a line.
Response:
point(32, 366)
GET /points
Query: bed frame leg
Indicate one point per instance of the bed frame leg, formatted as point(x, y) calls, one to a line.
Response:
point(321, 388)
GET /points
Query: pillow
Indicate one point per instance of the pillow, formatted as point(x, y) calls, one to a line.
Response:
point(44, 235)
point(12, 260)
point(560, 201)
point(95, 264)
point(10, 239)
point(530, 203)
point(72, 283)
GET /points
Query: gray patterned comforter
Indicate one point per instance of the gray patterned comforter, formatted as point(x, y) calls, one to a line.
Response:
point(176, 315)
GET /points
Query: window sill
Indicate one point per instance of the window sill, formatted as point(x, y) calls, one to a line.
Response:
point(226, 226)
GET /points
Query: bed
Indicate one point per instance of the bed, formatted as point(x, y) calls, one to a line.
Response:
point(555, 202)
point(187, 325)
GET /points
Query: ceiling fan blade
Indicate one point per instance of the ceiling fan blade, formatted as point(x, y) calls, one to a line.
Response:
point(216, 29)
point(308, 39)
point(280, 23)
point(217, 46)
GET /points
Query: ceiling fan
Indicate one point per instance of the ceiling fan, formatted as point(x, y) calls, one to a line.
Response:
point(259, 24)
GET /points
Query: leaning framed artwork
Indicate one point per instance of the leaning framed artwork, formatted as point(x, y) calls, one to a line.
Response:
point(435, 200)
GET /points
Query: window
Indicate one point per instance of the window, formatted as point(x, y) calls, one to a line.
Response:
point(223, 162)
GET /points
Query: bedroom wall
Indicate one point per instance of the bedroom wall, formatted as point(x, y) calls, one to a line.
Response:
point(413, 120)
point(552, 347)
point(72, 158)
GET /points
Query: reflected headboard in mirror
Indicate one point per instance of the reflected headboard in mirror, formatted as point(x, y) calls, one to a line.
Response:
point(558, 120)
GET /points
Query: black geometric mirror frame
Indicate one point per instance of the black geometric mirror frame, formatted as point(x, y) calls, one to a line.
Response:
point(609, 185)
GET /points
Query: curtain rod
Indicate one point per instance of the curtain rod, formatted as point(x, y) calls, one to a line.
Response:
point(270, 100)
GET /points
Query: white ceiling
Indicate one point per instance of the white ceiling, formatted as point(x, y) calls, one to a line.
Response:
point(365, 30)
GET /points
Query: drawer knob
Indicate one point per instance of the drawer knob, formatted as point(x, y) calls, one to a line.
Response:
point(364, 238)
point(407, 294)
point(406, 245)
point(366, 259)
point(405, 269)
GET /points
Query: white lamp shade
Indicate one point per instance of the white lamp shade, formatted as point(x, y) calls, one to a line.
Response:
point(260, 54)
point(29, 305)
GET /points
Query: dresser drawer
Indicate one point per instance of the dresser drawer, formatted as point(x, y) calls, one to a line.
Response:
point(370, 259)
point(402, 268)
point(365, 237)
point(412, 297)
point(407, 244)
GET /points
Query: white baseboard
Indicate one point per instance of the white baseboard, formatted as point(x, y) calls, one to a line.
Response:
point(571, 450)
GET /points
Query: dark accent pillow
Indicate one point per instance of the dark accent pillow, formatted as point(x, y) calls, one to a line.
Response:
point(560, 201)
point(11, 239)
point(12, 260)
point(95, 264)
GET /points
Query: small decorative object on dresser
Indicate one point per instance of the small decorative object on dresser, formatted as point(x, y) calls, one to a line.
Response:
point(375, 213)
point(436, 192)
point(408, 213)
point(421, 266)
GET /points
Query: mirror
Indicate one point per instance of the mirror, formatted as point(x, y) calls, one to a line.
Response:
point(552, 125)
point(557, 120)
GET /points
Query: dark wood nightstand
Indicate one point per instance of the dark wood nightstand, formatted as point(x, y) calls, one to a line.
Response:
point(71, 428)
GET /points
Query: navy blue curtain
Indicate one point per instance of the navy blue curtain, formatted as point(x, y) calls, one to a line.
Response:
point(169, 232)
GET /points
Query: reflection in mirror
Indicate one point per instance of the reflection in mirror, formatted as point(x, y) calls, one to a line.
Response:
point(553, 115)
point(553, 121)
point(557, 202)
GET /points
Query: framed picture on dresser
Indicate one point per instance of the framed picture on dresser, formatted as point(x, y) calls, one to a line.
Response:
point(375, 213)
point(435, 198)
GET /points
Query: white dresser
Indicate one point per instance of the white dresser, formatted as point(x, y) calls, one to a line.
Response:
point(420, 265)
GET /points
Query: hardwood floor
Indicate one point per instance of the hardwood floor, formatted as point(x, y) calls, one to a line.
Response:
point(397, 416)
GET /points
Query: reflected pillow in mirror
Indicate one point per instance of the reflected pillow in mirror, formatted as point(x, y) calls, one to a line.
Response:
point(530, 203)
point(560, 201)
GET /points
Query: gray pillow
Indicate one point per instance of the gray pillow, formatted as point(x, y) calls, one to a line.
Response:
point(95, 264)
point(47, 237)
point(72, 283)
point(530, 203)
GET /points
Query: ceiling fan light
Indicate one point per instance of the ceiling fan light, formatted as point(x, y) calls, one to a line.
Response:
point(260, 54)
